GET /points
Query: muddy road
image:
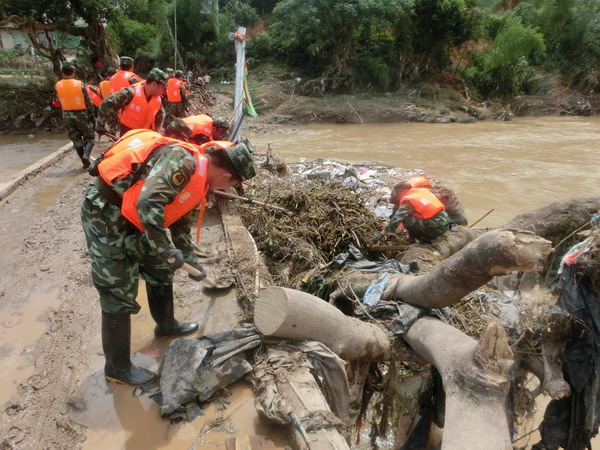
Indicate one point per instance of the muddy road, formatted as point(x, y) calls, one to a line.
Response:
point(53, 392)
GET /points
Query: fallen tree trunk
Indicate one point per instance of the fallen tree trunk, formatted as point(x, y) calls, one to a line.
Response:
point(475, 378)
point(558, 219)
point(494, 253)
point(288, 313)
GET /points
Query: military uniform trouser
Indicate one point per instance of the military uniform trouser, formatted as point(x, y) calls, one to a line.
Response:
point(114, 273)
point(80, 130)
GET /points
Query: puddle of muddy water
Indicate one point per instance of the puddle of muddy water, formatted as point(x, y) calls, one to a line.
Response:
point(116, 418)
point(17, 334)
point(18, 152)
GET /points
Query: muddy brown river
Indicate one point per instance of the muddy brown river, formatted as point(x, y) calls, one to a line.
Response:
point(512, 167)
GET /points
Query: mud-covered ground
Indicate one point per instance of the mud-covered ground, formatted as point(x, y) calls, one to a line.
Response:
point(53, 393)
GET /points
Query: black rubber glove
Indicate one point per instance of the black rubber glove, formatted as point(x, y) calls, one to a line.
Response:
point(173, 258)
point(200, 269)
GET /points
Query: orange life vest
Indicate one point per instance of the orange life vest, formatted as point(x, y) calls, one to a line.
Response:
point(419, 182)
point(173, 92)
point(94, 96)
point(425, 204)
point(219, 144)
point(139, 112)
point(200, 124)
point(70, 95)
point(120, 80)
point(105, 88)
point(135, 147)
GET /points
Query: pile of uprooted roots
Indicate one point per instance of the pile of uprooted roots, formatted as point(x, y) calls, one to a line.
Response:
point(325, 217)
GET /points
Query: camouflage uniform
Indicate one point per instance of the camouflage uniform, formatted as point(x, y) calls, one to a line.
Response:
point(119, 252)
point(111, 106)
point(179, 109)
point(80, 124)
point(421, 229)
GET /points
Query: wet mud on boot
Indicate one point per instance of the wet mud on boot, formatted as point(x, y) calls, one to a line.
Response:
point(79, 151)
point(116, 343)
point(85, 157)
point(160, 301)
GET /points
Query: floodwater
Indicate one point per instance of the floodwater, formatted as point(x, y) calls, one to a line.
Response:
point(18, 152)
point(513, 167)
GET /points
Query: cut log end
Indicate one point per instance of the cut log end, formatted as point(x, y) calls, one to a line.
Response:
point(271, 311)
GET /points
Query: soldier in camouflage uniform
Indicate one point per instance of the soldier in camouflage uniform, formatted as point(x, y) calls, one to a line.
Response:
point(109, 113)
point(179, 108)
point(423, 230)
point(80, 123)
point(121, 254)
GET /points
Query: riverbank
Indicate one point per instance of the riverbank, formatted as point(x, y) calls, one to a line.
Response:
point(282, 99)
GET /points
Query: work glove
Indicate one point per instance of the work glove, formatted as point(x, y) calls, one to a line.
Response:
point(377, 238)
point(173, 258)
point(200, 269)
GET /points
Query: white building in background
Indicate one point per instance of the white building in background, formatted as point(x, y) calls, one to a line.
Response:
point(12, 38)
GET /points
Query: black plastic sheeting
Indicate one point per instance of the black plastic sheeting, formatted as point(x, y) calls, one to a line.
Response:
point(571, 422)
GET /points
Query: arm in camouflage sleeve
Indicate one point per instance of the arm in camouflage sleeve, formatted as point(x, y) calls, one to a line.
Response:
point(110, 107)
point(181, 234)
point(88, 102)
point(160, 117)
point(172, 169)
point(403, 211)
point(184, 97)
point(134, 79)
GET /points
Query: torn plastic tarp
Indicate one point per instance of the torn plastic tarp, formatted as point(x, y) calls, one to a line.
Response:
point(279, 360)
point(194, 369)
point(355, 259)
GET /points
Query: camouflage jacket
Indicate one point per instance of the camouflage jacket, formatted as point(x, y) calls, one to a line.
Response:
point(110, 107)
point(404, 214)
point(90, 108)
point(166, 172)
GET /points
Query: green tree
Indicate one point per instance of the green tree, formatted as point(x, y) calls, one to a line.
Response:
point(82, 18)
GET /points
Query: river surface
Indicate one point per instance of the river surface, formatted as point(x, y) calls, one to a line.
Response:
point(514, 166)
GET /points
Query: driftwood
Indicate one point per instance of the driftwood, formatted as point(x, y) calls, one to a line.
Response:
point(288, 313)
point(494, 253)
point(475, 377)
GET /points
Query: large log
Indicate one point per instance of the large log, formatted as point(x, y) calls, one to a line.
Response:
point(475, 378)
point(288, 313)
point(494, 253)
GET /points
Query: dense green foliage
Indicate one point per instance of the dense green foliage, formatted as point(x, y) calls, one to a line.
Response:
point(498, 47)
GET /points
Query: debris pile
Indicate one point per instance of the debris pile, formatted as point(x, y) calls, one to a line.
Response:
point(331, 206)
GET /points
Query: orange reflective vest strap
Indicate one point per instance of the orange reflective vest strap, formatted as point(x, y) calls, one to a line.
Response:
point(105, 88)
point(133, 148)
point(189, 198)
point(94, 96)
point(219, 144)
point(139, 112)
point(173, 92)
point(200, 124)
point(120, 80)
point(70, 95)
point(419, 182)
point(425, 204)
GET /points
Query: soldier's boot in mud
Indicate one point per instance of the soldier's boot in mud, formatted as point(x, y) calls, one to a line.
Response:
point(116, 343)
point(87, 150)
point(79, 151)
point(160, 301)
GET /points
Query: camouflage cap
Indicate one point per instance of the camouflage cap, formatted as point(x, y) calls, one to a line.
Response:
point(178, 73)
point(126, 61)
point(158, 76)
point(67, 65)
point(222, 123)
point(178, 129)
point(242, 161)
